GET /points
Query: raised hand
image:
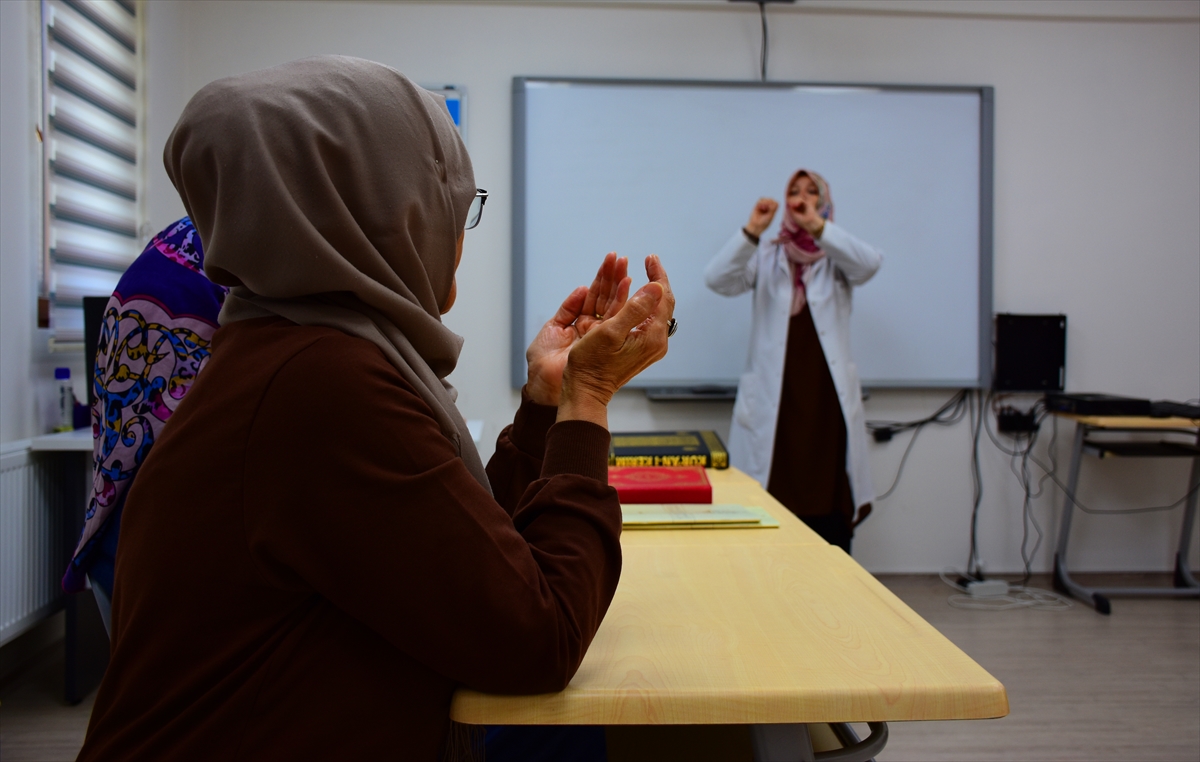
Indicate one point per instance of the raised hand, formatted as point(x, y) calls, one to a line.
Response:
point(806, 216)
point(581, 311)
point(760, 218)
point(607, 294)
point(618, 349)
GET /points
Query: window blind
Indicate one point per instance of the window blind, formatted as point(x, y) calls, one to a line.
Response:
point(92, 70)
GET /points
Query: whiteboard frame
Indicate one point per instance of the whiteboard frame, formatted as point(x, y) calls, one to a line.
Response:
point(986, 95)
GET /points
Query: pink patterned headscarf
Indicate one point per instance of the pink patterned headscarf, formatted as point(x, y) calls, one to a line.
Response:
point(798, 244)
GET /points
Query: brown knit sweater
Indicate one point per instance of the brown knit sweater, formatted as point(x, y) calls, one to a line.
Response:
point(307, 571)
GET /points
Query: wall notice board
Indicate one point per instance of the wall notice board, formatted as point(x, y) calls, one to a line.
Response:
point(674, 168)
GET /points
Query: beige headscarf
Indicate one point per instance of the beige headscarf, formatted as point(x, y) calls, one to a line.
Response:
point(331, 191)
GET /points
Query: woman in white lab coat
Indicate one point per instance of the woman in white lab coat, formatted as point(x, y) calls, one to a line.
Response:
point(798, 423)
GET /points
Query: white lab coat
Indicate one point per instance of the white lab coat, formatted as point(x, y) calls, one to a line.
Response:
point(740, 267)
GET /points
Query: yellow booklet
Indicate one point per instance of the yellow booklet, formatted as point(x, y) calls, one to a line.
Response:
point(695, 516)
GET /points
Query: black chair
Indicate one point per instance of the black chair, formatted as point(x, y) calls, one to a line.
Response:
point(86, 642)
point(93, 316)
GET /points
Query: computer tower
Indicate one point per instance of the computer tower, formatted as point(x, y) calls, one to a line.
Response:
point(1031, 353)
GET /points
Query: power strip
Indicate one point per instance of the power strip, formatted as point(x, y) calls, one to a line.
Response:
point(1010, 420)
point(987, 588)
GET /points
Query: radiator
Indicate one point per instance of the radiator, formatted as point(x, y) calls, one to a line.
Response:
point(38, 492)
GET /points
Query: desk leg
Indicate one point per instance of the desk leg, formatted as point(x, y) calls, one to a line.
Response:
point(1062, 578)
point(1183, 574)
point(793, 743)
point(1185, 582)
point(86, 643)
point(782, 743)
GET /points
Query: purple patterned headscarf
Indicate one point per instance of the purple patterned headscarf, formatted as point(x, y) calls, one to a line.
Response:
point(154, 339)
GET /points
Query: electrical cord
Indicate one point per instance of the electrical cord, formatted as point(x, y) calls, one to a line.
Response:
point(999, 445)
point(1050, 472)
point(1114, 511)
point(948, 414)
point(762, 64)
point(1028, 517)
point(1018, 597)
point(977, 418)
point(973, 405)
point(1037, 414)
point(1032, 492)
point(962, 404)
point(951, 412)
point(912, 440)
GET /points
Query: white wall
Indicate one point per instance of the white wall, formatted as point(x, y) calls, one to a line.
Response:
point(26, 366)
point(1097, 192)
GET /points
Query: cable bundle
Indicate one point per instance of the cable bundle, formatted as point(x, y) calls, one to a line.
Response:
point(1017, 597)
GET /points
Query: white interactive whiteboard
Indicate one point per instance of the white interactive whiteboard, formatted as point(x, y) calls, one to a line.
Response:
point(674, 168)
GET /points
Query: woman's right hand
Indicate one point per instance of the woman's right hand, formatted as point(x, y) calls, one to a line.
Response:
point(617, 349)
point(760, 218)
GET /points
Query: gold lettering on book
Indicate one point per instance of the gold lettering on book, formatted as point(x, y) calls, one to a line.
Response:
point(681, 460)
point(720, 458)
point(631, 460)
point(674, 440)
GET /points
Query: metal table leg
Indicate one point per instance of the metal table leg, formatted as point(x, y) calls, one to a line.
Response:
point(1062, 578)
point(793, 743)
point(782, 743)
point(1183, 574)
point(1185, 583)
point(86, 646)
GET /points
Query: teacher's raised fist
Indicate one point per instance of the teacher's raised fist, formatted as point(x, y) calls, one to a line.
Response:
point(760, 218)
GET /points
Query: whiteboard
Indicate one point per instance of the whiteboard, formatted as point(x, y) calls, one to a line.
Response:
point(674, 168)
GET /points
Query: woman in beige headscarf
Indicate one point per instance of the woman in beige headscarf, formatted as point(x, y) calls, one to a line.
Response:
point(314, 557)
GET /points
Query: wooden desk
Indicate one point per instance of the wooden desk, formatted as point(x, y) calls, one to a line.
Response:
point(1086, 426)
point(1131, 422)
point(752, 626)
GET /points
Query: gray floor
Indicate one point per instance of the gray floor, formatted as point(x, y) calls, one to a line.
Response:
point(34, 722)
point(1081, 686)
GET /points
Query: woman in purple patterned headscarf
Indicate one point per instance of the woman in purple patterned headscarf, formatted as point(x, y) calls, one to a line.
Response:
point(154, 339)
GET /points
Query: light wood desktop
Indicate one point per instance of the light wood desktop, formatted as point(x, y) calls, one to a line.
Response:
point(1131, 422)
point(752, 626)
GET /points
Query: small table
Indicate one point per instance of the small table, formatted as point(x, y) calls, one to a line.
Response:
point(1086, 426)
point(86, 641)
point(772, 628)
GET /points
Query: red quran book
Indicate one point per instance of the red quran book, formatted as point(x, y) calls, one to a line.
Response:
point(660, 484)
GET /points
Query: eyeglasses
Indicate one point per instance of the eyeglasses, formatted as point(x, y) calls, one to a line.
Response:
point(476, 210)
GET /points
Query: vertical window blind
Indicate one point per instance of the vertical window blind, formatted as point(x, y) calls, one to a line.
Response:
point(92, 73)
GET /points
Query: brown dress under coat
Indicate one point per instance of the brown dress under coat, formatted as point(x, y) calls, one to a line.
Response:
point(808, 468)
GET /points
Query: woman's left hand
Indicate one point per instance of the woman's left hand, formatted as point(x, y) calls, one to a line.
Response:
point(583, 310)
